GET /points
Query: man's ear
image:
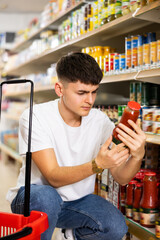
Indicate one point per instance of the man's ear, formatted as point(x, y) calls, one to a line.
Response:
point(59, 89)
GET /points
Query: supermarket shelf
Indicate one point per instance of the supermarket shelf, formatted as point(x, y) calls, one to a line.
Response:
point(150, 12)
point(10, 152)
point(152, 138)
point(151, 75)
point(98, 36)
point(52, 24)
point(139, 231)
point(37, 89)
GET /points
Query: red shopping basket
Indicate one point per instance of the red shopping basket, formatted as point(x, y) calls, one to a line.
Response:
point(30, 225)
point(16, 226)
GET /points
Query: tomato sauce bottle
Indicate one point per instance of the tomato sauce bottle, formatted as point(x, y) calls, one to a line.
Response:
point(131, 112)
point(149, 202)
point(136, 201)
point(129, 198)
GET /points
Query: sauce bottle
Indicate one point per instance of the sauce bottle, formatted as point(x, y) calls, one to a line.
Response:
point(129, 198)
point(136, 201)
point(130, 112)
point(149, 202)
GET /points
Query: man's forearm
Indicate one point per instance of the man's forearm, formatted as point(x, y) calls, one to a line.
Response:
point(125, 172)
point(62, 176)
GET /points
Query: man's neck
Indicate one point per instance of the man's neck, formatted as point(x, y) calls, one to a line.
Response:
point(69, 117)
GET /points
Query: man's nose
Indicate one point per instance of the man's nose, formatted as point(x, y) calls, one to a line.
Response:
point(89, 98)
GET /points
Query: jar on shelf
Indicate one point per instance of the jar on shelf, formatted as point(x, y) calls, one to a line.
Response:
point(118, 8)
point(125, 7)
point(129, 198)
point(149, 202)
point(131, 112)
point(122, 199)
point(111, 10)
point(136, 201)
point(158, 227)
point(105, 13)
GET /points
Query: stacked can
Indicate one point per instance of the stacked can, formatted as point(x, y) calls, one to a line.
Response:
point(134, 52)
point(128, 52)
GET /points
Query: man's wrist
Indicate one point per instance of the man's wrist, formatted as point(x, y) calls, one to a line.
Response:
point(95, 167)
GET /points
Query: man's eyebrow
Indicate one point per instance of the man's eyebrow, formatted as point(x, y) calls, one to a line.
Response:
point(84, 91)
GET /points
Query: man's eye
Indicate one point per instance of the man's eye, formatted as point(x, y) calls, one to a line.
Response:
point(80, 93)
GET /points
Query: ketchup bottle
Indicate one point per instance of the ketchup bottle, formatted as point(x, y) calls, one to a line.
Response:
point(129, 198)
point(130, 112)
point(136, 201)
point(149, 202)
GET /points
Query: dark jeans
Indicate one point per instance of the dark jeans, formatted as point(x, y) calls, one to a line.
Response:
point(91, 217)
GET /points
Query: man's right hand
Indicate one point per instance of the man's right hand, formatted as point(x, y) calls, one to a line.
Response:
point(108, 158)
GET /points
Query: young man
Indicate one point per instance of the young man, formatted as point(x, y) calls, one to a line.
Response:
point(70, 144)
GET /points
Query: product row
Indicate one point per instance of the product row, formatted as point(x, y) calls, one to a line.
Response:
point(141, 52)
point(140, 198)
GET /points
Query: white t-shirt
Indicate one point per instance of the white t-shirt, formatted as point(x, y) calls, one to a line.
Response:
point(72, 145)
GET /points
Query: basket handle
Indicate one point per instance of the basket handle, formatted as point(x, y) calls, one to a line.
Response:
point(24, 232)
point(28, 154)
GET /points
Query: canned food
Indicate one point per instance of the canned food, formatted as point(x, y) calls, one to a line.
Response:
point(139, 92)
point(146, 56)
point(151, 37)
point(111, 62)
point(156, 115)
point(156, 128)
point(140, 51)
point(134, 51)
point(153, 48)
point(116, 62)
point(133, 93)
point(147, 126)
point(122, 62)
point(128, 52)
point(158, 52)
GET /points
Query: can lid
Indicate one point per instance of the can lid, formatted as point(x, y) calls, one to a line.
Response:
point(134, 105)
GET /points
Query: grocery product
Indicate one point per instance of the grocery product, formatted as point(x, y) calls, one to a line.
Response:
point(111, 10)
point(125, 7)
point(134, 52)
point(128, 52)
point(149, 202)
point(131, 112)
point(118, 8)
point(136, 201)
point(129, 198)
point(153, 54)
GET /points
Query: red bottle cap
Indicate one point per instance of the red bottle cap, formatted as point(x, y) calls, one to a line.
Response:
point(132, 182)
point(139, 184)
point(150, 174)
point(134, 105)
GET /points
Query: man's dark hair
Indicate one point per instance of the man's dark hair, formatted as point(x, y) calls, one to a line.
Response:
point(79, 66)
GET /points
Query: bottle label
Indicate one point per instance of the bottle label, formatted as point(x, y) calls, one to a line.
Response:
point(148, 216)
point(111, 9)
point(158, 231)
point(136, 215)
point(129, 212)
